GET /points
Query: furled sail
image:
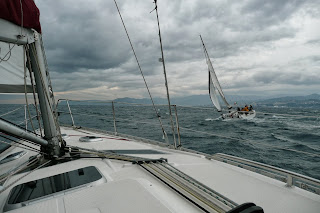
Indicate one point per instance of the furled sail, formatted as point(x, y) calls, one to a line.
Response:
point(12, 63)
point(12, 10)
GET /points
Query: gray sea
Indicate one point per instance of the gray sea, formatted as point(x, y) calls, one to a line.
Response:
point(287, 138)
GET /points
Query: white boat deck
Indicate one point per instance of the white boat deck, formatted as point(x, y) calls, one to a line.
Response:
point(129, 188)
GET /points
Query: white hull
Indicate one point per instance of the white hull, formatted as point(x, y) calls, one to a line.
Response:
point(133, 187)
point(239, 115)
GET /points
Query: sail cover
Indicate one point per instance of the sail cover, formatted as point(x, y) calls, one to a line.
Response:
point(12, 69)
point(11, 10)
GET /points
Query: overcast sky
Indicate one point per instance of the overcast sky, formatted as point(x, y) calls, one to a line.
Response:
point(257, 47)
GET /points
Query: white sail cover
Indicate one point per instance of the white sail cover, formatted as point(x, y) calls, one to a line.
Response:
point(214, 85)
point(12, 69)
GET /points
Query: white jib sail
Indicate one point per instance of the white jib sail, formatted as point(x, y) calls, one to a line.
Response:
point(12, 62)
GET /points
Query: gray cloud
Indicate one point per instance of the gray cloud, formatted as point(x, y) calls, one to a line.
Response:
point(87, 47)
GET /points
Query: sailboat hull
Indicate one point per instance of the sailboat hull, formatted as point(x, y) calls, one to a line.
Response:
point(247, 115)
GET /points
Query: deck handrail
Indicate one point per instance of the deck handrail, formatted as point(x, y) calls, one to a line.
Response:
point(114, 116)
point(290, 178)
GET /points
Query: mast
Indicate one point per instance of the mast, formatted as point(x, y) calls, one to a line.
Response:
point(45, 96)
point(165, 76)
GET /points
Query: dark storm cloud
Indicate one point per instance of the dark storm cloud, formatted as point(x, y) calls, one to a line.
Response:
point(225, 29)
point(92, 37)
point(78, 36)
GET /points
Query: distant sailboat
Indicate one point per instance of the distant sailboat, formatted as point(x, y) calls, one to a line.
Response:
point(215, 91)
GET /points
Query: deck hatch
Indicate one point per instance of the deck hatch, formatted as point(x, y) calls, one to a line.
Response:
point(49, 185)
point(13, 156)
point(90, 138)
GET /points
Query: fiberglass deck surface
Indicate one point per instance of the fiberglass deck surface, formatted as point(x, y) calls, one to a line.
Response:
point(128, 187)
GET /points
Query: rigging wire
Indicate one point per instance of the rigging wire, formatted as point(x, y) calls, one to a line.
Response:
point(34, 92)
point(9, 52)
point(19, 168)
point(25, 86)
point(21, 27)
point(19, 126)
point(165, 76)
point(19, 138)
point(12, 111)
point(26, 120)
point(40, 166)
point(49, 80)
point(145, 82)
point(29, 149)
point(46, 93)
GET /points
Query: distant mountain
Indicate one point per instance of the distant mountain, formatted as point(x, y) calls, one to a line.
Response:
point(294, 98)
point(312, 101)
point(193, 100)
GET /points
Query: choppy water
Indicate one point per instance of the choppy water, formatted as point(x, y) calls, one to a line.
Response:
point(268, 138)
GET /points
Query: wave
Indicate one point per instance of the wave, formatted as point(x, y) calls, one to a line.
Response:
point(301, 125)
point(257, 120)
point(306, 137)
point(304, 147)
point(278, 117)
point(296, 144)
point(213, 119)
point(281, 138)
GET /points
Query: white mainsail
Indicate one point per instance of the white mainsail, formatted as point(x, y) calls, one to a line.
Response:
point(213, 94)
point(12, 63)
point(214, 85)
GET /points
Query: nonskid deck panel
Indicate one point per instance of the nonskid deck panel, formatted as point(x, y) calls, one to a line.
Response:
point(202, 196)
point(301, 181)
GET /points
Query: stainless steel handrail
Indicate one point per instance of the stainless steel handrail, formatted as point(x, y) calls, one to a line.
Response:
point(114, 119)
point(290, 178)
point(114, 115)
point(67, 100)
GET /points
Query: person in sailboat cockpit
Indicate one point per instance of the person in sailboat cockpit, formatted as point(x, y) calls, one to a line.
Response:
point(245, 108)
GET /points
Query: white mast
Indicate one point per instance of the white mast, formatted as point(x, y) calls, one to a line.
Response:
point(45, 96)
